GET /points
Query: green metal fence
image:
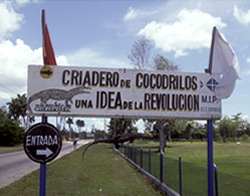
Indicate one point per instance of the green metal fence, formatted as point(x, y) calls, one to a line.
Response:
point(149, 161)
point(185, 178)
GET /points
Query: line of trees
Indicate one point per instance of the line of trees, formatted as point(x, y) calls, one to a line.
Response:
point(228, 129)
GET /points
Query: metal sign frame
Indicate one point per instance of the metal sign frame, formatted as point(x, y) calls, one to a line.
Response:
point(68, 91)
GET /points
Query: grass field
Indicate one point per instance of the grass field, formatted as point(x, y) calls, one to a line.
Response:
point(4, 149)
point(232, 160)
point(103, 173)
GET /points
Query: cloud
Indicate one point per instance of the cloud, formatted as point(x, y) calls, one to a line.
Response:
point(89, 57)
point(241, 16)
point(247, 72)
point(245, 117)
point(10, 20)
point(16, 56)
point(191, 30)
point(24, 2)
point(14, 59)
point(133, 14)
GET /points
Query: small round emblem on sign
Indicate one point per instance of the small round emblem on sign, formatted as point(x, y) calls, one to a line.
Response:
point(46, 71)
point(42, 142)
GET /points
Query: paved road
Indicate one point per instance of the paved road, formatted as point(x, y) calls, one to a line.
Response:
point(15, 165)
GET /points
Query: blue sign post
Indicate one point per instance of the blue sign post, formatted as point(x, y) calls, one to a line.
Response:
point(210, 158)
point(43, 170)
point(210, 164)
point(42, 186)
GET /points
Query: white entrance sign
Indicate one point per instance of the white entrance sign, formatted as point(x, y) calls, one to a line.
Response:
point(102, 92)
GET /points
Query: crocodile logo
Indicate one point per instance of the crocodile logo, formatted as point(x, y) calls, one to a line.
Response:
point(57, 95)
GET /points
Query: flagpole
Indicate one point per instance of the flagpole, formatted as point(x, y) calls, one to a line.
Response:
point(43, 166)
point(211, 53)
point(44, 118)
point(43, 33)
point(210, 151)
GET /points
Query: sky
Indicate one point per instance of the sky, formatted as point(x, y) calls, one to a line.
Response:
point(100, 34)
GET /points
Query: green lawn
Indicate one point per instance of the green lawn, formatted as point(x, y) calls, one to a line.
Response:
point(4, 149)
point(103, 172)
point(233, 161)
point(231, 158)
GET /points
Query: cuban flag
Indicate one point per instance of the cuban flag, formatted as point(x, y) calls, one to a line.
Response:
point(48, 51)
point(223, 61)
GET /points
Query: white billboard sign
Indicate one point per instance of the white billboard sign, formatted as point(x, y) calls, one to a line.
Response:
point(102, 92)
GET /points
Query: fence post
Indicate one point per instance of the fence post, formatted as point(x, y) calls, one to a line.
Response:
point(149, 161)
point(180, 176)
point(135, 157)
point(133, 154)
point(129, 152)
point(161, 166)
point(132, 149)
point(216, 180)
point(162, 150)
point(141, 158)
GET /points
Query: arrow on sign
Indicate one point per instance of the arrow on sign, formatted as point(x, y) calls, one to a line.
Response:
point(47, 152)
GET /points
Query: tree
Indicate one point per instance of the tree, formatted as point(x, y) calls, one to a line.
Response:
point(70, 121)
point(226, 128)
point(17, 108)
point(100, 134)
point(199, 131)
point(139, 56)
point(189, 131)
point(238, 124)
point(10, 132)
point(178, 128)
point(119, 127)
point(122, 130)
point(162, 63)
point(140, 52)
point(80, 124)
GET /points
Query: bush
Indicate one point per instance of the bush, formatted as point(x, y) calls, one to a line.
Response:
point(244, 137)
point(10, 132)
